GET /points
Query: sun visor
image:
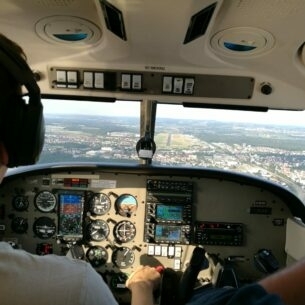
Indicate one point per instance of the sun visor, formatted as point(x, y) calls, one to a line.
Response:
point(295, 238)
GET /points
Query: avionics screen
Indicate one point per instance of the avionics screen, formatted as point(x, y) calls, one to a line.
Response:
point(167, 233)
point(169, 212)
point(71, 214)
point(222, 237)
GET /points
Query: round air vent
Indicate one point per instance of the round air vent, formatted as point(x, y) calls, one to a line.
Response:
point(242, 41)
point(68, 30)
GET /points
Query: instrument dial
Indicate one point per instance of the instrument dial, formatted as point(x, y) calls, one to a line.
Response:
point(97, 256)
point(45, 201)
point(99, 204)
point(126, 204)
point(124, 231)
point(98, 230)
point(123, 257)
point(20, 203)
point(44, 227)
point(117, 282)
point(19, 225)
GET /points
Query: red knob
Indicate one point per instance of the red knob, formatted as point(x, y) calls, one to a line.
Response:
point(160, 269)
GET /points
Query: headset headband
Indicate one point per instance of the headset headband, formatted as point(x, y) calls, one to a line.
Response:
point(18, 68)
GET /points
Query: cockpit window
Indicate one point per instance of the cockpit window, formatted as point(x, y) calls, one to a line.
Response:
point(78, 131)
point(270, 145)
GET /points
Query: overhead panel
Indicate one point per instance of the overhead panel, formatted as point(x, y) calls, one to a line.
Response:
point(151, 84)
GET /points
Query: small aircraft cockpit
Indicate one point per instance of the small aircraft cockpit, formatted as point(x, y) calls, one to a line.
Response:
point(170, 126)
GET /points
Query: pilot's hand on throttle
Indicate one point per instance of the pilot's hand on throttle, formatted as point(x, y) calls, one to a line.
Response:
point(144, 276)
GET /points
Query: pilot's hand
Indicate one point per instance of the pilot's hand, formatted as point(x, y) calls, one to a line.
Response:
point(144, 276)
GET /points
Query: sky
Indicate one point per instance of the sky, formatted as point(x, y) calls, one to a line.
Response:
point(125, 108)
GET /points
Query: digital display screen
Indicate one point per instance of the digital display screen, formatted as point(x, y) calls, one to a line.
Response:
point(71, 214)
point(169, 212)
point(220, 237)
point(167, 233)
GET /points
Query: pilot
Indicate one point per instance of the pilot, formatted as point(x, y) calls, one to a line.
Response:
point(27, 279)
point(285, 287)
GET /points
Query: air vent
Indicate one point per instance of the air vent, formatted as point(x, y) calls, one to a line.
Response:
point(114, 19)
point(68, 30)
point(199, 23)
point(242, 41)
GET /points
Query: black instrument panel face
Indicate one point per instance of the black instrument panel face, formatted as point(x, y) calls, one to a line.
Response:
point(116, 221)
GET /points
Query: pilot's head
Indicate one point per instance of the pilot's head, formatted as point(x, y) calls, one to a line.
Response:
point(21, 120)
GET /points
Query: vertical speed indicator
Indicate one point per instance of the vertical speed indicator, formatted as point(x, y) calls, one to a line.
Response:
point(98, 230)
point(123, 257)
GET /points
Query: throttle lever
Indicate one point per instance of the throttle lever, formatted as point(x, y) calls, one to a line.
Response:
point(169, 285)
point(160, 269)
point(188, 279)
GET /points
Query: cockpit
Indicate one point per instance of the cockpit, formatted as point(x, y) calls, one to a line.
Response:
point(170, 126)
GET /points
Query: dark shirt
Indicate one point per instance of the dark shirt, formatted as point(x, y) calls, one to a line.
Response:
point(253, 294)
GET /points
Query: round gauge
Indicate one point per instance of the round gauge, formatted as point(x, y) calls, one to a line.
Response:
point(124, 231)
point(97, 256)
point(98, 230)
point(99, 204)
point(45, 201)
point(20, 203)
point(117, 282)
point(19, 225)
point(44, 227)
point(123, 257)
point(126, 204)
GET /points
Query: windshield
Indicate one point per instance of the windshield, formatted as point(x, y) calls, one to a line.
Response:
point(269, 145)
point(79, 131)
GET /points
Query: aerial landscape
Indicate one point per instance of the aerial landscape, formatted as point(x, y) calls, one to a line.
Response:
point(268, 151)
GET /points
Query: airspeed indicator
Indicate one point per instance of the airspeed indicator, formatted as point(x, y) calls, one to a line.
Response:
point(45, 201)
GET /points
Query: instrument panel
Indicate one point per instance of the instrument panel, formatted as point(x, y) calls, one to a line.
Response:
point(117, 219)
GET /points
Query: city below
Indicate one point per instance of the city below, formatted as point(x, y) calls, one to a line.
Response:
point(272, 152)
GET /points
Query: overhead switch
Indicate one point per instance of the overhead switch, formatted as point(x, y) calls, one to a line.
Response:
point(61, 78)
point(99, 80)
point(188, 86)
point(137, 82)
point(167, 84)
point(178, 85)
point(72, 78)
point(126, 81)
point(88, 79)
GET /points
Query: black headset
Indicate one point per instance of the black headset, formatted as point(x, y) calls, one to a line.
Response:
point(21, 120)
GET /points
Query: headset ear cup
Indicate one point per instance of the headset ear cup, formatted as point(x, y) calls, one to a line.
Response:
point(34, 131)
point(24, 132)
point(11, 120)
point(22, 123)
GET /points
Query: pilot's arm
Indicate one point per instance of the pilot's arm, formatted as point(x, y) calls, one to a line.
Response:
point(28, 279)
point(142, 282)
point(288, 283)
